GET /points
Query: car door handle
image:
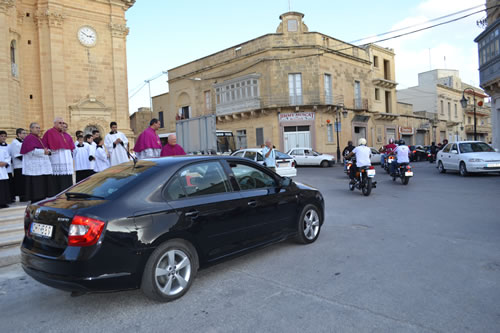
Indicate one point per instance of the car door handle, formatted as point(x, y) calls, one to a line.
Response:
point(252, 203)
point(193, 214)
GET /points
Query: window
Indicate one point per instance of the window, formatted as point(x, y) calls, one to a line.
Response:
point(489, 47)
point(449, 110)
point(357, 95)
point(329, 132)
point(236, 90)
point(259, 136)
point(295, 88)
point(160, 118)
point(292, 25)
point(328, 89)
point(447, 148)
point(388, 102)
point(377, 94)
point(456, 111)
point(241, 139)
point(468, 120)
point(250, 178)
point(387, 70)
point(196, 180)
point(442, 107)
point(239, 154)
point(375, 61)
point(250, 155)
point(185, 112)
point(13, 54)
point(207, 100)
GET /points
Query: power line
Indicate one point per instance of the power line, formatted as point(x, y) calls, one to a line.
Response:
point(418, 24)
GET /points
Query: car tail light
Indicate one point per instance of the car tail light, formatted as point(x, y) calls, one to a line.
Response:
point(293, 164)
point(84, 231)
point(408, 167)
point(371, 167)
point(414, 151)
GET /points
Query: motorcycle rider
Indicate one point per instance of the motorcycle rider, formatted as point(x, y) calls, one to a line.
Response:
point(402, 153)
point(434, 150)
point(347, 151)
point(363, 155)
point(388, 149)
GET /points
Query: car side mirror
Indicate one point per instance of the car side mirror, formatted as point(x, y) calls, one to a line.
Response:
point(454, 151)
point(285, 182)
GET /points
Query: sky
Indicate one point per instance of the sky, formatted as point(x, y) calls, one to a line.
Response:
point(166, 34)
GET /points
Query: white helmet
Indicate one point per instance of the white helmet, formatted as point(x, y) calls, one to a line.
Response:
point(361, 142)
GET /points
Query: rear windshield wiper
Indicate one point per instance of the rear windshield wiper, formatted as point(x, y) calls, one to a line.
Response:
point(80, 195)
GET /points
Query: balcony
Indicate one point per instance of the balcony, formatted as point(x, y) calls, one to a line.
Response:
point(360, 104)
point(383, 83)
point(482, 129)
point(480, 110)
point(275, 101)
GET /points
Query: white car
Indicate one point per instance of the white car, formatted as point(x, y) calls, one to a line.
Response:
point(468, 157)
point(375, 158)
point(307, 156)
point(285, 165)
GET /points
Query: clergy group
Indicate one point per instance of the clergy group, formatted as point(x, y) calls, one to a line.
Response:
point(35, 166)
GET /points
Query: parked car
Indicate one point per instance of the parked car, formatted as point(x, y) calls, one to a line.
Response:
point(418, 153)
point(468, 157)
point(153, 224)
point(285, 164)
point(376, 155)
point(307, 156)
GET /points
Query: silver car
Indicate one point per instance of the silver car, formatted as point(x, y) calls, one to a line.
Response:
point(468, 157)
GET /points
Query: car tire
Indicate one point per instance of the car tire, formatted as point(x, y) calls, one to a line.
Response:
point(441, 167)
point(309, 224)
point(463, 170)
point(324, 164)
point(170, 271)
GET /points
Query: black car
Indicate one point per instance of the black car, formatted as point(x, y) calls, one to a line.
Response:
point(153, 224)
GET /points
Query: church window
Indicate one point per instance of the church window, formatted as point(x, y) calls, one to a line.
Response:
point(13, 55)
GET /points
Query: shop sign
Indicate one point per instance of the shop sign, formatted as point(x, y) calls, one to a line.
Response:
point(405, 130)
point(296, 116)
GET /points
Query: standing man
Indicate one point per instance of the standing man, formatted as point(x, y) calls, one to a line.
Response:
point(77, 134)
point(148, 143)
point(4, 178)
point(117, 145)
point(61, 158)
point(172, 148)
point(269, 155)
point(36, 165)
point(17, 163)
point(5, 146)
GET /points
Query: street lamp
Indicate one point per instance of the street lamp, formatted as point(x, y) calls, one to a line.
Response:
point(464, 102)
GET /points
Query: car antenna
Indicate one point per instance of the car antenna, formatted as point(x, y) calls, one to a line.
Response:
point(131, 156)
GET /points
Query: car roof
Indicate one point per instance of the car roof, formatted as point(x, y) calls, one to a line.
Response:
point(173, 160)
point(251, 149)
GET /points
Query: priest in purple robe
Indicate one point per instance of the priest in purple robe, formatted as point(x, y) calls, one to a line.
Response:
point(172, 148)
point(148, 144)
point(61, 146)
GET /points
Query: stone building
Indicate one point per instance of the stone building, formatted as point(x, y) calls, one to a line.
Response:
point(293, 86)
point(63, 58)
point(489, 64)
point(140, 119)
point(437, 97)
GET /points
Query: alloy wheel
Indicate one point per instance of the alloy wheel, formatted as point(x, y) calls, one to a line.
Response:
point(311, 224)
point(173, 272)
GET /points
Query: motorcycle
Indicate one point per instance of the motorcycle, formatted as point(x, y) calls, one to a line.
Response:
point(363, 180)
point(404, 172)
point(387, 166)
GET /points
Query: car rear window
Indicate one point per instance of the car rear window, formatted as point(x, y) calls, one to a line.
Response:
point(281, 155)
point(107, 182)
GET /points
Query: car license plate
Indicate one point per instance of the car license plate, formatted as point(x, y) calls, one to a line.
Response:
point(409, 174)
point(389, 161)
point(370, 173)
point(493, 165)
point(43, 230)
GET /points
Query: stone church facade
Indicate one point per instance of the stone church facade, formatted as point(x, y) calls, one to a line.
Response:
point(63, 58)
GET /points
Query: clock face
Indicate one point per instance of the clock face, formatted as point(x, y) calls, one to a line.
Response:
point(87, 36)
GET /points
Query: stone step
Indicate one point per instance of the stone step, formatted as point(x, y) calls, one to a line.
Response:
point(10, 255)
point(11, 211)
point(7, 228)
point(14, 238)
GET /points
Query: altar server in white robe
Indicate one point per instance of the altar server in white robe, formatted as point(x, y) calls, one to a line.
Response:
point(117, 145)
point(17, 163)
point(81, 156)
point(36, 165)
point(4, 179)
point(101, 157)
point(5, 146)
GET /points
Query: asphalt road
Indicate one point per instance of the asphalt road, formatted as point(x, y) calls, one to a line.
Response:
point(418, 258)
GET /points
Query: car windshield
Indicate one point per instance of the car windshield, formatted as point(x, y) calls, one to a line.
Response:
point(281, 155)
point(103, 184)
point(475, 147)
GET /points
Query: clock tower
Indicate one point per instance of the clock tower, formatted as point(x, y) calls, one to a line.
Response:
point(64, 58)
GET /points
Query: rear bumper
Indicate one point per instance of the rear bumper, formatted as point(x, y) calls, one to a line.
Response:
point(286, 172)
point(75, 275)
